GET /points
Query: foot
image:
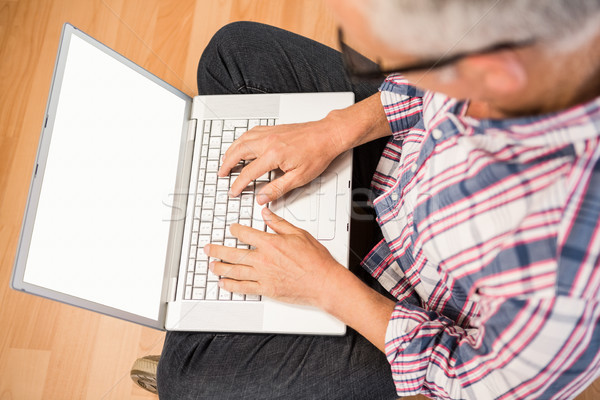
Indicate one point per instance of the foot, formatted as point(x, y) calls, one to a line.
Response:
point(143, 372)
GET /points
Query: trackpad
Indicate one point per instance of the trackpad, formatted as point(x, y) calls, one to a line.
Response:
point(311, 207)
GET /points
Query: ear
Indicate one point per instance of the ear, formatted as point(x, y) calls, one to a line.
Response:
point(502, 72)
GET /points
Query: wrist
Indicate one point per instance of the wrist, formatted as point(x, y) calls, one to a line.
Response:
point(360, 123)
point(357, 305)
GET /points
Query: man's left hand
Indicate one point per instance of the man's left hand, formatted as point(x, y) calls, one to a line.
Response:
point(290, 265)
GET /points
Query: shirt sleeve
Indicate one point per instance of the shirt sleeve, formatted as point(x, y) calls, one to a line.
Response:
point(525, 348)
point(403, 104)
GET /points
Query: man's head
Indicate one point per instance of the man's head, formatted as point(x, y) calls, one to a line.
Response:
point(560, 68)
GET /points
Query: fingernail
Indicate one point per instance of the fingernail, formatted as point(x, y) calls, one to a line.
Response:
point(206, 248)
point(221, 283)
point(262, 199)
point(211, 265)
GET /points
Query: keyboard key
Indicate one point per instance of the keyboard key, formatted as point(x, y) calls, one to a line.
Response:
point(196, 225)
point(204, 151)
point(225, 147)
point(201, 255)
point(224, 294)
point(208, 202)
point(189, 280)
point(252, 297)
point(188, 293)
point(245, 222)
point(194, 239)
point(199, 199)
point(230, 243)
point(198, 293)
point(206, 228)
point(215, 142)
point(223, 184)
point(207, 214)
point(198, 212)
point(200, 280)
point(234, 205)
point(232, 217)
point(222, 197)
point(214, 154)
point(203, 163)
point(193, 251)
point(237, 297)
point(212, 165)
point(257, 220)
point(228, 136)
point(220, 210)
point(247, 199)
point(203, 241)
point(217, 128)
point(212, 291)
point(207, 126)
point(218, 235)
point(219, 222)
point(258, 224)
point(211, 178)
point(246, 212)
point(264, 122)
point(231, 124)
point(202, 267)
point(192, 263)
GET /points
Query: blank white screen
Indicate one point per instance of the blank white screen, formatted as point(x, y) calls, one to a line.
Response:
point(102, 223)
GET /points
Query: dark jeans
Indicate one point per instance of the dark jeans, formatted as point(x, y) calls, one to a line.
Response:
point(254, 58)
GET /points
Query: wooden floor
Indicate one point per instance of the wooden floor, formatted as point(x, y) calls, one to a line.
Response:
point(50, 350)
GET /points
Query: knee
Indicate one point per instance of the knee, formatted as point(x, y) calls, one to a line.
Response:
point(231, 54)
point(230, 44)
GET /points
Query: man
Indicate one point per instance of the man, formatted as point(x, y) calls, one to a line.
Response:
point(486, 191)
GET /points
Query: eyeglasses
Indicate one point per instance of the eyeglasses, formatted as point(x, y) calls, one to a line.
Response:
point(361, 68)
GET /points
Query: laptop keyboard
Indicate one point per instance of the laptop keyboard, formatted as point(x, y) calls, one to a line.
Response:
point(215, 211)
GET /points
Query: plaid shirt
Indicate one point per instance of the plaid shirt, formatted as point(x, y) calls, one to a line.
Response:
point(491, 246)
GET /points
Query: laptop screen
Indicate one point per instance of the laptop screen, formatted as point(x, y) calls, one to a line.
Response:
point(102, 223)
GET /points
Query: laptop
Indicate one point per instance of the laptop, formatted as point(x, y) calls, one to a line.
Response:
point(124, 194)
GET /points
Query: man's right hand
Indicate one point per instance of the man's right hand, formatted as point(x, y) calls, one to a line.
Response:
point(302, 151)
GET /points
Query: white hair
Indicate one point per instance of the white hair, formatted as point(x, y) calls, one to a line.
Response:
point(444, 27)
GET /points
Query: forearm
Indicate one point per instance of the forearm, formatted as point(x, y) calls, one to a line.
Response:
point(358, 306)
point(360, 123)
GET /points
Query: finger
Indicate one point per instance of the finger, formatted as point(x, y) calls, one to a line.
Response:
point(277, 188)
point(248, 235)
point(244, 287)
point(250, 172)
point(278, 224)
point(239, 150)
point(228, 254)
point(233, 271)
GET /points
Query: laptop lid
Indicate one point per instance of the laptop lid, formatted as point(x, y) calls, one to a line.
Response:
point(98, 218)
